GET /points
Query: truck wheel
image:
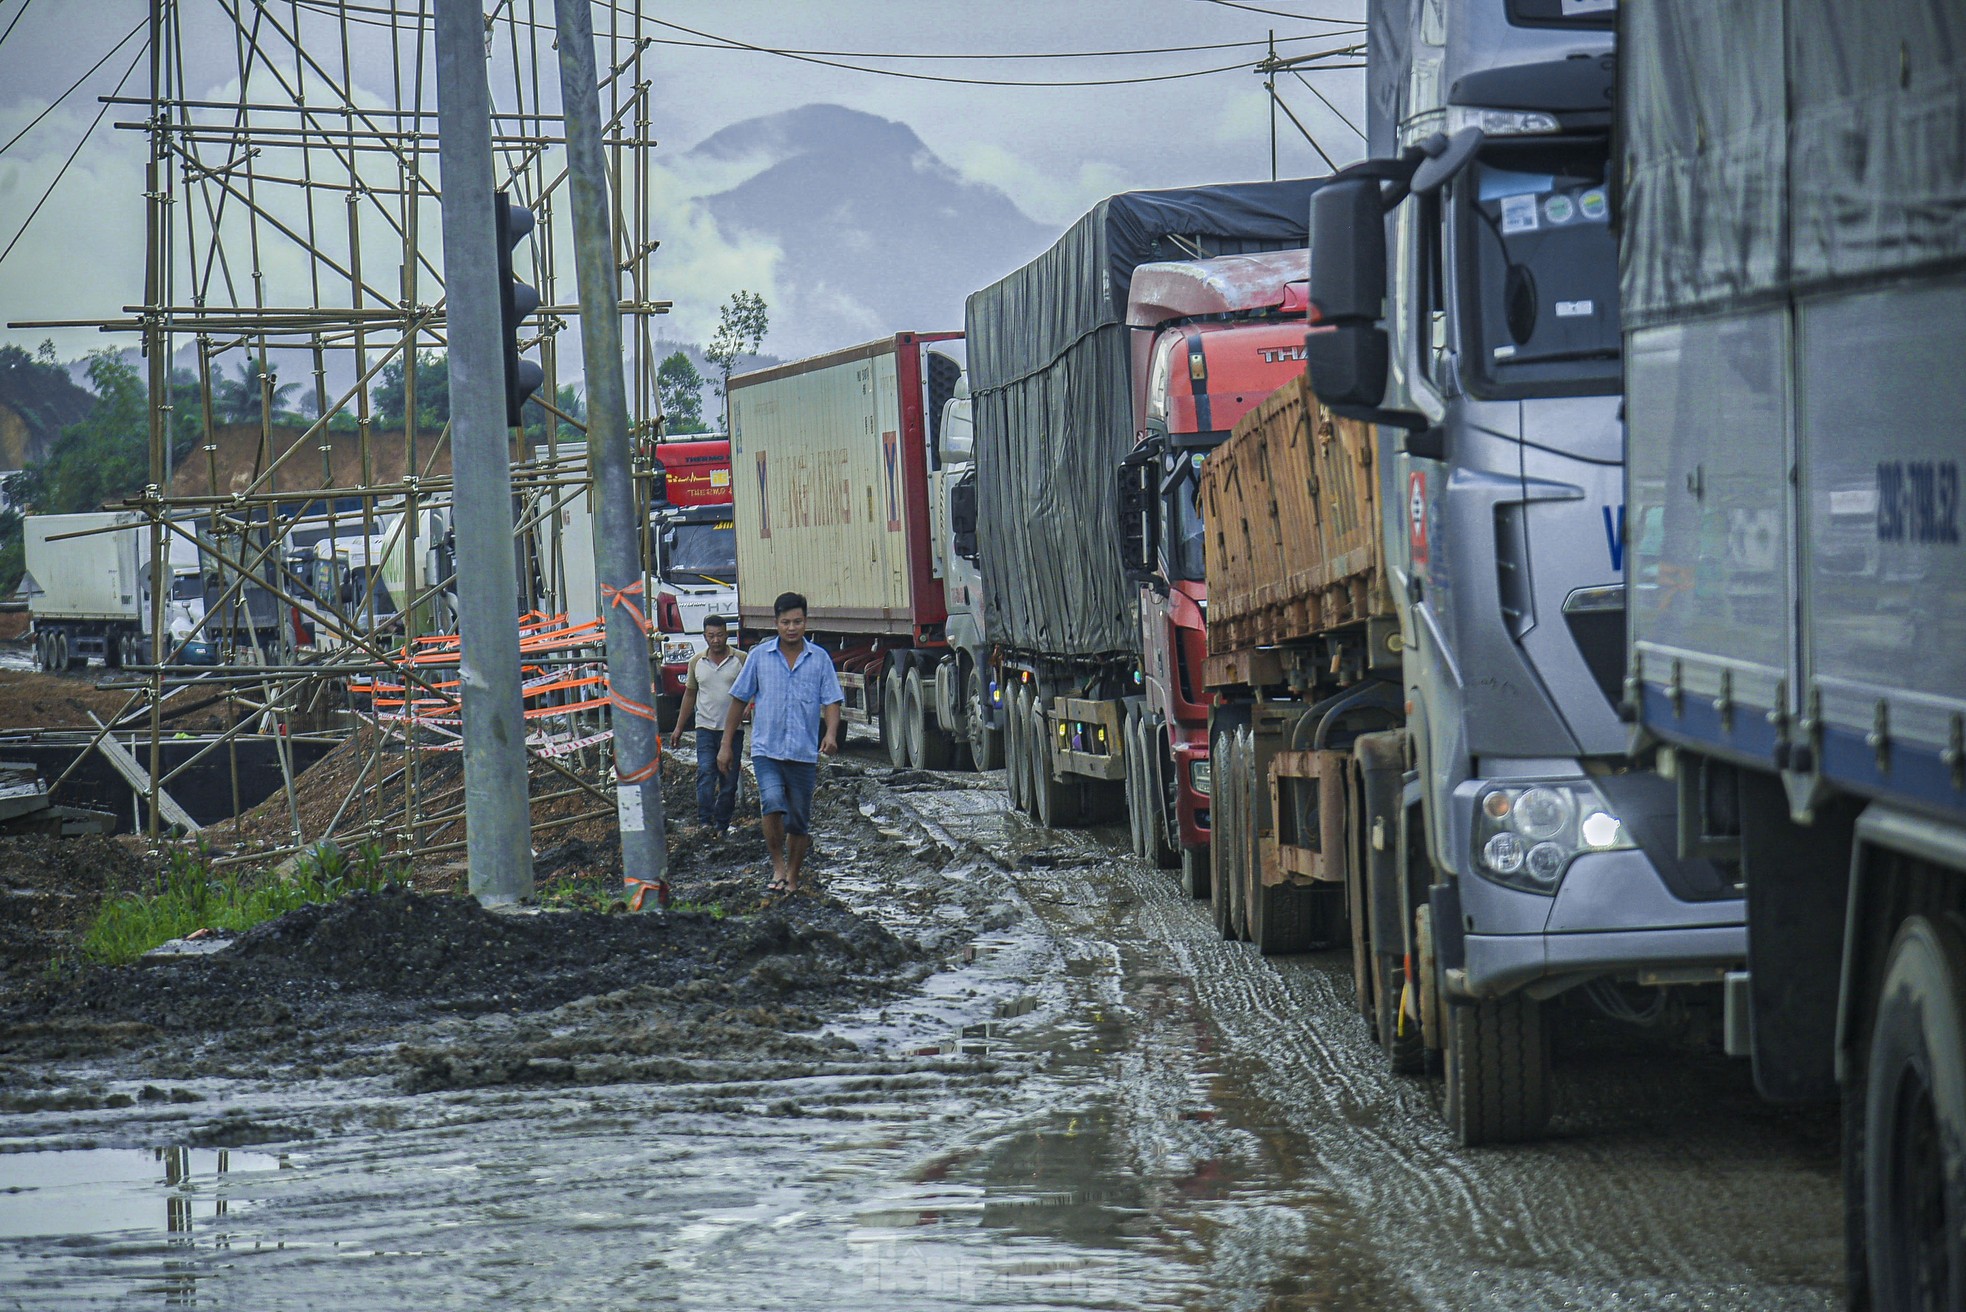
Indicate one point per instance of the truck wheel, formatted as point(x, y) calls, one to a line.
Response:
point(1194, 871)
point(69, 659)
point(933, 748)
point(41, 658)
point(1915, 1123)
point(894, 713)
point(1226, 847)
point(1282, 918)
point(1058, 805)
point(1017, 773)
point(1405, 1049)
point(1498, 1071)
point(114, 648)
point(985, 744)
point(1248, 843)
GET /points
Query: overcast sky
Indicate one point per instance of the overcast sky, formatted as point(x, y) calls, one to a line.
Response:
point(1053, 150)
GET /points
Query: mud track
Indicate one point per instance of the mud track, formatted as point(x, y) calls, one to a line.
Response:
point(988, 1065)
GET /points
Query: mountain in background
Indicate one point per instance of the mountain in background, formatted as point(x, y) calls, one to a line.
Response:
point(878, 235)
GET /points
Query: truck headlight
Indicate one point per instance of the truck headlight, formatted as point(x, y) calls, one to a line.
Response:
point(677, 653)
point(1198, 777)
point(1500, 122)
point(1526, 835)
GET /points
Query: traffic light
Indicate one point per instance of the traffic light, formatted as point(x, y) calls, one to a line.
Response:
point(515, 302)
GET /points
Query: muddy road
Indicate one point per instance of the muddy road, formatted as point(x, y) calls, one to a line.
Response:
point(986, 1066)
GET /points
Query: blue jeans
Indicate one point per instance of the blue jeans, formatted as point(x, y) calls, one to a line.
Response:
point(786, 787)
point(716, 794)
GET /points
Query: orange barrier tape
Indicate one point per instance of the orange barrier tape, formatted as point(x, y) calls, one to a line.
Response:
point(641, 887)
point(622, 597)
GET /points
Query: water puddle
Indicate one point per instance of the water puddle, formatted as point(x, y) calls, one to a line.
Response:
point(124, 1191)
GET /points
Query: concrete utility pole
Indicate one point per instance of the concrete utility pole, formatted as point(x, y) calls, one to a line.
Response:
point(497, 808)
point(610, 456)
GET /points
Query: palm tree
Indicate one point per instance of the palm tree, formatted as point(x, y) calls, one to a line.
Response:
point(238, 400)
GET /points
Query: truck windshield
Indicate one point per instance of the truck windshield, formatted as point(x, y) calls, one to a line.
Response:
point(1186, 533)
point(1540, 289)
point(708, 551)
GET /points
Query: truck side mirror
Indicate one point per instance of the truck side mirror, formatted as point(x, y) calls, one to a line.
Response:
point(962, 516)
point(1347, 353)
point(1139, 513)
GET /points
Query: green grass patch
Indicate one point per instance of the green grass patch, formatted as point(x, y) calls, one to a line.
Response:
point(189, 895)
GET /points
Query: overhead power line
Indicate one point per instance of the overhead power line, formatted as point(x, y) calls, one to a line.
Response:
point(29, 220)
point(1284, 13)
point(714, 42)
point(838, 59)
point(18, 15)
point(56, 103)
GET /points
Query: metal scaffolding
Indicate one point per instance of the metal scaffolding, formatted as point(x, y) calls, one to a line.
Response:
point(292, 230)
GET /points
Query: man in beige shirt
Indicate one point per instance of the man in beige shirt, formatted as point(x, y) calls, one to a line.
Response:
point(706, 694)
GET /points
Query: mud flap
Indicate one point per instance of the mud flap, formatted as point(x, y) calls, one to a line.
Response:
point(1798, 881)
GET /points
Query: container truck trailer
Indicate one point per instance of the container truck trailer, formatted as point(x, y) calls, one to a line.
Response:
point(90, 588)
point(841, 463)
point(1153, 322)
point(1797, 657)
point(1414, 630)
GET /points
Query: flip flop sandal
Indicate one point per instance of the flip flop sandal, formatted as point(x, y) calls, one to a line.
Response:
point(777, 886)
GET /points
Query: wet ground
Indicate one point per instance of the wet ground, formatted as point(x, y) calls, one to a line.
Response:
point(989, 1066)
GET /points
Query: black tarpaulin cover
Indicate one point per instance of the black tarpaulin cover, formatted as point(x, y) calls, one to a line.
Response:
point(1052, 403)
point(1775, 147)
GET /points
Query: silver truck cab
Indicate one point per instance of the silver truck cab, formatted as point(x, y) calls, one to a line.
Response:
point(1490, 356)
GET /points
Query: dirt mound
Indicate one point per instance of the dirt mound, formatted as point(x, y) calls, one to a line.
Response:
point(30, 699)
point(49, 891)
point(370, 951)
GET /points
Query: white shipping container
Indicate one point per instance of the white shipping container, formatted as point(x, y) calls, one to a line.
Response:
point(95, 577)
point(822, 451)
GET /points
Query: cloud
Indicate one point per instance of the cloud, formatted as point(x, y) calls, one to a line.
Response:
point(82, 258)
point(1055, 198)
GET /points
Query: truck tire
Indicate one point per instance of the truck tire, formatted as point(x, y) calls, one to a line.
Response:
point(894, 711)
point(42, 661)
point(1915, 1123)
point(1017, 772)
point(986, 745)
point(1194, 871)
point(69, 659)
point(1228, 846)
point(933, 747)
point(1058, 803)
point(1405, 1050)
point(1498, 1071)
point(114, 647)
point(1282, 918)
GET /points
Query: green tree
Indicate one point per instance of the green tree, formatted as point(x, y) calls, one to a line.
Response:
point(240, 400)
point(568, 400)
point(741, 328)
point(681, 389)
point(433, 390)
point(105, 457)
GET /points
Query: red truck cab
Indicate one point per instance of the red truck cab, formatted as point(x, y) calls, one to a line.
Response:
point(1211, 339)
point(694, 561)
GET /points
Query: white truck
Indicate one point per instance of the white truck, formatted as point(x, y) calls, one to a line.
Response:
point(89, 588)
